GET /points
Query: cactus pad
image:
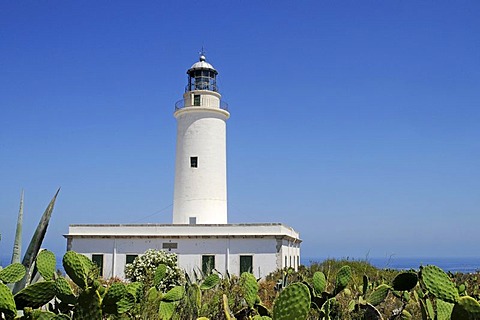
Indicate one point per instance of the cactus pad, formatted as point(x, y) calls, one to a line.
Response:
point(466, 308)
point(438, 283)
point(113, 295)
point(344, 276)
point(210, 281)
point(88, 306)
point(174, 294)
point(75, 268)
point(63, 291)
point(35, 295)
point(46, 264)
point(293, 303)
point(371, 312)
point(249, 288)
point(379, 294)
point(126, 303)
point(12, 273)
point(160, 273)
point(405, 315)
point(135, 288)
point(405, 281)
point(365, 284)
point(166, 310)
point(7, 304)
point(319, 282)
point(444, 310)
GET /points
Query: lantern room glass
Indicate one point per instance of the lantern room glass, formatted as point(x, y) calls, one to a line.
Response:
point(202, 79)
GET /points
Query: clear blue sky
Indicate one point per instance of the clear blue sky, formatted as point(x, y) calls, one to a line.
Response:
point(355, 122)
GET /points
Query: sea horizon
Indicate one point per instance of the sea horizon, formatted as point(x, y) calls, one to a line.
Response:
point(448, 264)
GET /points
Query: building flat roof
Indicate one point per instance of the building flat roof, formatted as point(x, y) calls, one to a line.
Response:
point(152, 230)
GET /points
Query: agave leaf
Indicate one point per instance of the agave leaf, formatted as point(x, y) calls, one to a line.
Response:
point(17, 245)
point(35, 244)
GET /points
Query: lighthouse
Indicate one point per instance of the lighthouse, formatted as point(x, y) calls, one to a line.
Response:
point(200, 189)
point(200, 234)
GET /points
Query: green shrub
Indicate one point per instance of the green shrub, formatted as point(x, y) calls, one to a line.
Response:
point(143, 269)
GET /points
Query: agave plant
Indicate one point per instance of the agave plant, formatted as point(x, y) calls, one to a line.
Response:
point(35, 242)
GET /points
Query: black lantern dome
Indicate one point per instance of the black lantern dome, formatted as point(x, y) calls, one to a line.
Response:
point(202, 76)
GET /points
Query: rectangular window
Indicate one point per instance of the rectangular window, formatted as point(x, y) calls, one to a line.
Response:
point(98, 260)
point(194, 162)
point(130, 257)
point(286, 262)
point(208, 264)
point(192, 220)
point(196, 100)
point(169, 245)
point(246, 264)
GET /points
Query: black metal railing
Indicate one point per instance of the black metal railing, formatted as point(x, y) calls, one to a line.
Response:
point(180, 104)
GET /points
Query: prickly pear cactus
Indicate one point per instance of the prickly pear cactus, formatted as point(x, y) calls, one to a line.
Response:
point(405, 281)
point(113, 295)
point(12, 273)
point(63, 291)
point(293, 303)
point(249, 288)
point(35, 295)
point(365, 284)
point(438, 283)
point(126, 303)
point(166, 310)
point(7, 303)
point(135, 289)
point(466, 308)
point(88, 305)
point(379, 294)
point(46, 264)
point(75, 268)
point(371, 313)
point(405, 315)
point(160, 273)
point(344, 276)
point(174, 294)
point(210, 281)
point(444, 309)
point(319, 282)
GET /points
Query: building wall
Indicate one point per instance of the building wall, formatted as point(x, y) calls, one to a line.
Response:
point(268, 253)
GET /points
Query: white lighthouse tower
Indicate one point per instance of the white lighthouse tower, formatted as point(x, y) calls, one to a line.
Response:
point(200, 234)
point(200, 191)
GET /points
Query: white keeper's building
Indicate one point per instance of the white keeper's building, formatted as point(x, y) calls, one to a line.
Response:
point(200, 234)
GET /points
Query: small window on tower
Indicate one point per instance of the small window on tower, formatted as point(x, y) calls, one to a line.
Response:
point(194, 162)
point(196, 100)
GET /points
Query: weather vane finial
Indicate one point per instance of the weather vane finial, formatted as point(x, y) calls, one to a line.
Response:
point(202, 54)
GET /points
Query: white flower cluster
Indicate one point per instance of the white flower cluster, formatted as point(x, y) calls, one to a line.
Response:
point(143, 269)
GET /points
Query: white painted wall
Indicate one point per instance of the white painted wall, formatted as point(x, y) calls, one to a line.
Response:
point(189, 253)
point(201, 132)
point(269, 244)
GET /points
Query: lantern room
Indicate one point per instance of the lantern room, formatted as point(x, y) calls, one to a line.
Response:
point(202, 76)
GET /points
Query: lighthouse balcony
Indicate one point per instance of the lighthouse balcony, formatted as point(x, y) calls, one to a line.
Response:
point(180, 104)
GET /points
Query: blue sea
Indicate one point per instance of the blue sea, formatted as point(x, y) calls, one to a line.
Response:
point(463, 265)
